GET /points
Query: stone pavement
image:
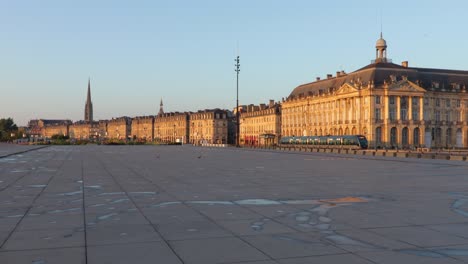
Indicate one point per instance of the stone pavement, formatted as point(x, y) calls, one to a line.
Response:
point(183, 204)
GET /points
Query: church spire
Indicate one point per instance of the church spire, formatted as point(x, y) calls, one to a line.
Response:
point(89, 105)
point(161, 110)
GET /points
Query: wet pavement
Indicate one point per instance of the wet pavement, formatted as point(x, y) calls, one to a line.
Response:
point(183, 204)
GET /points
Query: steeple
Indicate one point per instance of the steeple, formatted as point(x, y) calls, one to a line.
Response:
point(161, 110)
point(89, 105)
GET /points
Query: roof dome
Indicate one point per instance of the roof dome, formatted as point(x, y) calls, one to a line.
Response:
point(381, 43)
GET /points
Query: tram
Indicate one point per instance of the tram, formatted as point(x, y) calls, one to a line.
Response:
point(345, 141)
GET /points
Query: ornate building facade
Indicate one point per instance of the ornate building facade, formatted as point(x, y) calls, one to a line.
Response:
point(171, 127)
point(260, 125)
point(392, 105)
point(209, 126)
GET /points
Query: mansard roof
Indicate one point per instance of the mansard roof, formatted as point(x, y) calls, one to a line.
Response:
point(386, 72)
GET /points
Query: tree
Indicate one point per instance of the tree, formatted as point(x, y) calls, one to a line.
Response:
point(7, 126)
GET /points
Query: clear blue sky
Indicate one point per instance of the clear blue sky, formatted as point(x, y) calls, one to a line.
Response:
point(137, 52)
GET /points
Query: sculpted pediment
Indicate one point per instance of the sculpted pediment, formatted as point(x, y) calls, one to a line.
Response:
point(406, 86)
point(346, 88)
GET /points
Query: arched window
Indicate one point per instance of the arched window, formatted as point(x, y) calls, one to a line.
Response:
point(393, 136)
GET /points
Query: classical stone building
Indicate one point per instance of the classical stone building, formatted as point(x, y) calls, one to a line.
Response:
point(119, 128)
point(392, 105)
point(48, 127)
point(260, 125)
point(209, 126)
point(171, 127)
point(52, 130)
point(84, 130)
point(143, 128)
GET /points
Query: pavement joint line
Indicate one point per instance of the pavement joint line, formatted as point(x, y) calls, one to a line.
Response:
point(22, 152)
point(139, 209)
point(39, 249)
point(85, 225)
point(32, 203)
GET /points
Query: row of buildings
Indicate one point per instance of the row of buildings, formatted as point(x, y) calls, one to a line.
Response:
point(393, 105)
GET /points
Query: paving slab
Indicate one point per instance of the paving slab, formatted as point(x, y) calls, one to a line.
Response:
point(142, 253)
point(217, 250)
point(74, 255)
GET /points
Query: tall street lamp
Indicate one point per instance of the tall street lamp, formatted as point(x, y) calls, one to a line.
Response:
point(237, 102)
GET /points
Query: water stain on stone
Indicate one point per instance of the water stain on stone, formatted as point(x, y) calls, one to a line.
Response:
point(344, 240)
point(70, 193)
point(64, 210)
point(107, 216)
point(111, 193)
point(421, 253)
point(211, 202)
point(452, 251)
point(164, 204)
point(257, 202)
point(143, 193)
point(119, 201)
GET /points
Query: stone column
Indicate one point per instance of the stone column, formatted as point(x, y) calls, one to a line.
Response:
point(421, 108)
point(410, 108)
point(398, 108)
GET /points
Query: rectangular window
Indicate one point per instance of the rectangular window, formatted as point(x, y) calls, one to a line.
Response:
point(448, 116)
point(392, 100)
point(377, 99)
point(437, 116)
point(437, 102)
point(426, 115)
point(403, 114)
point(458, 103)
point(447, 102)
point(426, 101)
point(415, 113)
point(377, 114)
point(392, 114)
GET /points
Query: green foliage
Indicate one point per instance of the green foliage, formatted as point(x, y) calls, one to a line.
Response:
point(59, 137)
point(7, 127)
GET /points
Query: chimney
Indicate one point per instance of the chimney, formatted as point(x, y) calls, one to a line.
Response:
point(329, 76)
point(317, 79)
point(272, 103)
point(404, 64)
point(342, 73)
point(338, 74)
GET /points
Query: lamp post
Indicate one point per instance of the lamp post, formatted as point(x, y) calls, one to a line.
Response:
point(237, 102)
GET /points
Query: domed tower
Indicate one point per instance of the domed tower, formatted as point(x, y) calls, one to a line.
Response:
point(381, 50)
